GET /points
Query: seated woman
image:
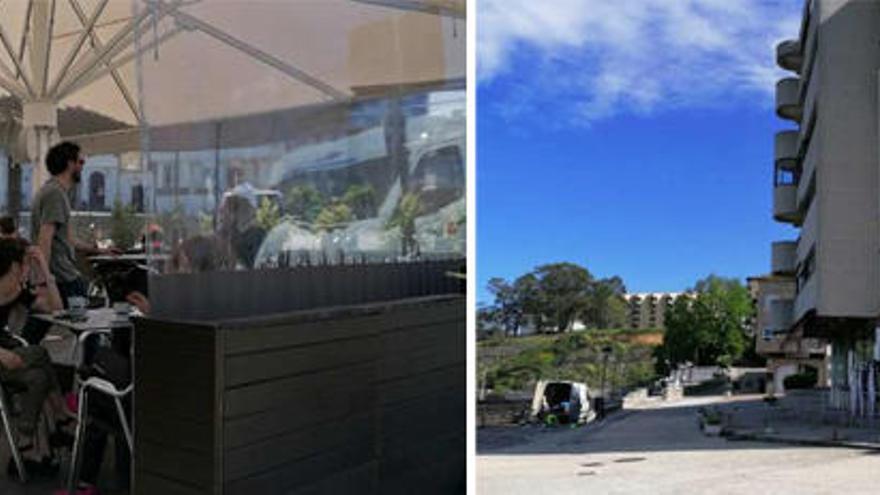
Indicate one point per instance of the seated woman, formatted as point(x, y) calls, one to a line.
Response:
point(28, 367)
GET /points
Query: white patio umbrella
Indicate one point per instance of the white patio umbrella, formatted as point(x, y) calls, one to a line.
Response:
point(212, 59)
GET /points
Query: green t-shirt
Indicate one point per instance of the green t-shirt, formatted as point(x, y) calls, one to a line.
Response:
point(52, 206)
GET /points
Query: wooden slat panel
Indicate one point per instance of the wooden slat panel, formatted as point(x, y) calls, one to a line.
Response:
point(222, 295)
point(436, 415)
point(443, 478)
point(162, 398)
point(424, 452)
point(287, 393)
point(187, 434)
point(279, 334)
point(344, 433)
point(414, 386)
point(304, 472)
point(322, 402)
point(363, 480)
point(174, 430)
point(249, 368)
point(416, 362)
point(150, 484)
point(275, 337)
point(174, 463)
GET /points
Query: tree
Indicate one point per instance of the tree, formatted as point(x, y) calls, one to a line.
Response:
point(409, 208)
point(361, 198)
point(528, 296)
point(487, 321)
point(268, 215)
point(605, 305)
point(708, 329)
point(334, 216)
point(564, 291)
point(304, 203)
point(508, 310)
point(125, 226)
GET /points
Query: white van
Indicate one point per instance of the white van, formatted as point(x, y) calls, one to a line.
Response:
point(568, 402)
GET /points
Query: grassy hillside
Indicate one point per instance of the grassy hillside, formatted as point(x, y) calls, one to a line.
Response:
point(515, 364)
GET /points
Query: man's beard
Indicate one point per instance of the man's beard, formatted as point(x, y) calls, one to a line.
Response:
point(77, 177)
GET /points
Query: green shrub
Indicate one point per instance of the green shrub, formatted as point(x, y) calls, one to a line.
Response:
point(803, 380)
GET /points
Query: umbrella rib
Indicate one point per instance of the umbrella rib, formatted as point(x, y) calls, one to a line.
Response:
point(260, 55)
point(10, 85)
point(45, 76)
point(416, 6)
point(119, 63)
point(111, 48)
point(11, 52)
point(96, 43)
point(88, 27)
point(25, 30)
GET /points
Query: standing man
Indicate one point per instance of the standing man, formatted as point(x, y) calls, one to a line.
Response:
point(50, 220)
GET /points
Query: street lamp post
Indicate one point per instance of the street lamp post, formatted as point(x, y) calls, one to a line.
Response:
point(606, 351)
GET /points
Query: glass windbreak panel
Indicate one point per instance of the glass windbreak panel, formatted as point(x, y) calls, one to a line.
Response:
point(281, 134)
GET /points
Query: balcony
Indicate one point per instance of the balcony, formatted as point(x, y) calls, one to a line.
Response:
point(788, 103)
point(780, 315)
point(784, 257)
point(785, 204)
point(789, 56)
point(786, 150)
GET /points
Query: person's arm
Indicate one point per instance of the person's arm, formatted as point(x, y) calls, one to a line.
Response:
point(44, 239)
point(10, 360)
point(139, 301)
point(48, 297)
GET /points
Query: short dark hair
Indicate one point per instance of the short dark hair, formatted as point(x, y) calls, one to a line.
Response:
point(60, 155)
point(11, 251)
point(7, 225)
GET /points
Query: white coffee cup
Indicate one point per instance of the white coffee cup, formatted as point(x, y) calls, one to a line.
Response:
point(122, 308)
point(77, 305)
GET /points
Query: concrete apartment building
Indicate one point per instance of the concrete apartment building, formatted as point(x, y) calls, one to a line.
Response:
point(648, 309)
point(787, 352)
point(827, 184)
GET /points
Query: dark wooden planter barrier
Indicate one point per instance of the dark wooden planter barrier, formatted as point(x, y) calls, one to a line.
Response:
point(353, 398)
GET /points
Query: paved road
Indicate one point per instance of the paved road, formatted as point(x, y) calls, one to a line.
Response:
point(659, 450)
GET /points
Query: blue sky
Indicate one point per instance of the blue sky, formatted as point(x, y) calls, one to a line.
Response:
point(634, 138)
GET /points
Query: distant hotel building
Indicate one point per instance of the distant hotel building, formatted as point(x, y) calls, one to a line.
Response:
point(827, 185)
point(648, 309)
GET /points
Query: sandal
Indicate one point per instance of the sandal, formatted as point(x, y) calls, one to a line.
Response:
point(80, 490)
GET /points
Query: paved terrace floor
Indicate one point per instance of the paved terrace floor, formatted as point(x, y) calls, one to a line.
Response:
point(660, 450)
point(46, 486)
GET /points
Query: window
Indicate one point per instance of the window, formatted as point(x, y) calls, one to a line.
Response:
point(806, 268)
point(785, 177)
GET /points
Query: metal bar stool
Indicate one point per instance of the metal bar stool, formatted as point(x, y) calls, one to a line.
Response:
point(5, 414)
point(102, 386)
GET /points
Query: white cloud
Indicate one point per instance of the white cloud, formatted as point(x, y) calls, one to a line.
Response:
point(607, 57)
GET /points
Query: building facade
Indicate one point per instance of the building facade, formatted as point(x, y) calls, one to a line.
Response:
point(648, 309)
point(827, 185)
point(787, 352)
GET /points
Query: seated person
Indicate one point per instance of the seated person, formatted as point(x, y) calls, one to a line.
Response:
point(29, 367)
point(197, 254)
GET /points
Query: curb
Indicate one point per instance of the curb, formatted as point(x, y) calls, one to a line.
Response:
point(803, 441)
